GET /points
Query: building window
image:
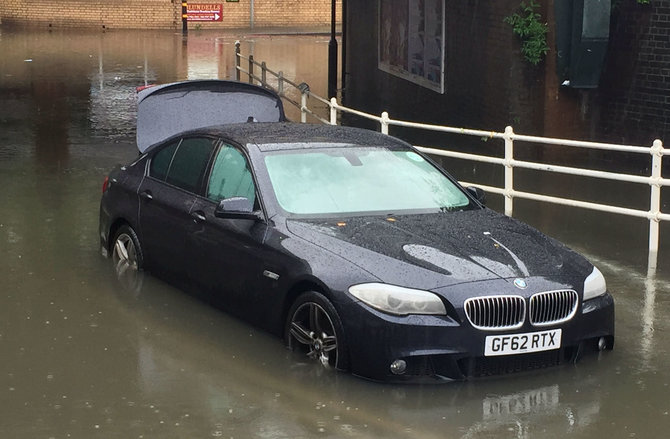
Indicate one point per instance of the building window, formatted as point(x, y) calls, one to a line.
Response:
point(411, 41)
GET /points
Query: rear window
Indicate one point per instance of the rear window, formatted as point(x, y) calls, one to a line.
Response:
point(183, 164)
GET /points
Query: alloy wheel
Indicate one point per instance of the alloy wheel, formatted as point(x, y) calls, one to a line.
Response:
point(125, 253)
point(313, 330)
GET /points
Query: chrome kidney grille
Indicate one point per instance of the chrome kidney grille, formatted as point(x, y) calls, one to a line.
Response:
point(496, 312)
point(553, 307)
point(509, 312)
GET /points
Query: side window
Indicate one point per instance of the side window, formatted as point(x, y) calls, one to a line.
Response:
point(189, 163)
point(160, 163)
point(231, 176)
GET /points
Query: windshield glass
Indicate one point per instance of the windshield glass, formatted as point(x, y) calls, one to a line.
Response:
point(360, 180)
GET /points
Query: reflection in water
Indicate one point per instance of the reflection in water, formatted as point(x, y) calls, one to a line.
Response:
point(52, 118)
point(648, 312)
point(543, 399)
point(130, 279)
point(86, 356)
point(526, 411)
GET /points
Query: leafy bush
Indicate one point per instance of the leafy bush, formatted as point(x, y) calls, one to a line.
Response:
point(531, 30)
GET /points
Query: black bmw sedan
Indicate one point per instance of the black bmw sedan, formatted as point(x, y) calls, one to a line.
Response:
point(357, 249)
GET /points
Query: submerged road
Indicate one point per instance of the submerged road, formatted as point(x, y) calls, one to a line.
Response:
point(83, 357)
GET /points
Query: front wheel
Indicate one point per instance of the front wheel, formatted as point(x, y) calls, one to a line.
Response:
point(313, 328)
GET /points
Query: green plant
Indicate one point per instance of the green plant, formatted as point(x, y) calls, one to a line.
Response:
point(531, 30)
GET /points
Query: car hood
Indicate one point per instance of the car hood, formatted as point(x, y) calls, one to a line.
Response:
point(437, 250)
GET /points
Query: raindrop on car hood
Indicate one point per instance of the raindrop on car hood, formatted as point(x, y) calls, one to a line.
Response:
point(441, 249)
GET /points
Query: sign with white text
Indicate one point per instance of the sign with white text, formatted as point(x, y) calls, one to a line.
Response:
point(205, 12)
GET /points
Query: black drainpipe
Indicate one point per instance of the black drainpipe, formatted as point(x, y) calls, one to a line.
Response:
point(332, 55)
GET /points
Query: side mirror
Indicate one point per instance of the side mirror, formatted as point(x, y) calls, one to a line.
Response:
point(236, 207)
point(477, 193)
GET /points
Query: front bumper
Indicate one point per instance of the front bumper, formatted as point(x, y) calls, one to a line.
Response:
point(449, 347)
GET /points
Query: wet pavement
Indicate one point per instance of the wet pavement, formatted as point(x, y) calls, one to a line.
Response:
point(84, 357)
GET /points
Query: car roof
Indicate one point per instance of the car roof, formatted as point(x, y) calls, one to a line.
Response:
point(289, 135)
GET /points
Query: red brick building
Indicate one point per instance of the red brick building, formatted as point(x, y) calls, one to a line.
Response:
point(165, 14)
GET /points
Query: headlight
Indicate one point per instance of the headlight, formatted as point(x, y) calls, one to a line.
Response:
point(594, 285)
point(398, 300)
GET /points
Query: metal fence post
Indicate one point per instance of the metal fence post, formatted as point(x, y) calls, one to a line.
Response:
point(303, 106)
point(655, 203)
point(333, 111)
point(509, 171)
point(385, 123)
point(237, 60)
point(304, 94)
point(251, 69)
point(263, 74)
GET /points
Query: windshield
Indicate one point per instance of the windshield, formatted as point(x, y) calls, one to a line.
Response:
point(360, 180)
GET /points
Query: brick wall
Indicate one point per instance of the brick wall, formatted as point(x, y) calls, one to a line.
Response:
point(93, 13)
point(487, 82)
point(635, 87)
point(163, 14)
point(489, 85)
point(292, 12)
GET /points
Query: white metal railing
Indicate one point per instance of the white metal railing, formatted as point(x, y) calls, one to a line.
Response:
point(655, 180)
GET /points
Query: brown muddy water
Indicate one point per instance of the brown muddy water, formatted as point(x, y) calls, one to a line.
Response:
point(82, 357)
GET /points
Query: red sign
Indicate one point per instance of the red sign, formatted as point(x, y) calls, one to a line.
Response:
point(204, 12)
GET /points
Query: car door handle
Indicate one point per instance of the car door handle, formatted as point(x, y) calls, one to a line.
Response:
point(198, 216)
point(146, 195)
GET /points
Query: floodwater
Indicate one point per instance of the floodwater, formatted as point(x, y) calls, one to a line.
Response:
point(83, 357)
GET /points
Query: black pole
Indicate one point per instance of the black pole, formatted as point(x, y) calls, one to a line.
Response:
point(332, 56)
point(184, 17)
point(237, 60)
point(343, 68)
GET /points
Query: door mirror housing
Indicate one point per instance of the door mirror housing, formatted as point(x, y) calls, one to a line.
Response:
point(236, 207)
point(477, 193)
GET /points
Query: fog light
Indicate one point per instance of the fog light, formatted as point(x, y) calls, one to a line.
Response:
point(398, 367)
point(602, 344)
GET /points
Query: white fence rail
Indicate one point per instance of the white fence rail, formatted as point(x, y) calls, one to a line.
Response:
point(656, 151)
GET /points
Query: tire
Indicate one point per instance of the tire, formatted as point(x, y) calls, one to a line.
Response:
point(314, 329)
point(126, 247)
point(128, 258)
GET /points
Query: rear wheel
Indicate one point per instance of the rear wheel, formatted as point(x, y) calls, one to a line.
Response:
point(313, 328)
point(127, 257)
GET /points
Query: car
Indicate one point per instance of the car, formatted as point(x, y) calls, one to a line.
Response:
point(356, 248)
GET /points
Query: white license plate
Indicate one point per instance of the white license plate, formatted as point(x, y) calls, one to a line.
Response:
point(513, 344)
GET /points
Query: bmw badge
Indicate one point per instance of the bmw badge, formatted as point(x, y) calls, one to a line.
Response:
point(520, 283)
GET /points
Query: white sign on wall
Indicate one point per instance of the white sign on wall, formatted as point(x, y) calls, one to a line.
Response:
point(411, 41)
